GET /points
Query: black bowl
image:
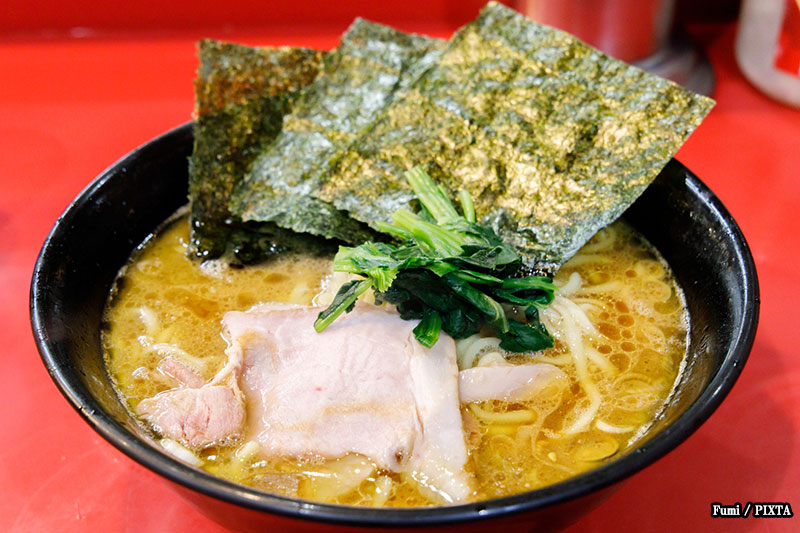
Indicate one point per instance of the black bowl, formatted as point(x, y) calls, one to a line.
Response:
point(118, 210)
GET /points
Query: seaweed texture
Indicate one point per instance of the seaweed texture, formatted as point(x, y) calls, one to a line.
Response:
point(358, 80)
point(242, 94)
point(553, 139)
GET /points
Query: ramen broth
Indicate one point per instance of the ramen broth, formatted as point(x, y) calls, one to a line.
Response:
point(620, 326)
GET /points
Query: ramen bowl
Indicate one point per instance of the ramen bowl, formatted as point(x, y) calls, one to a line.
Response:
point(99, 230)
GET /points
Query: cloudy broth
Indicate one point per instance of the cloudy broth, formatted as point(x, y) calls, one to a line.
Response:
point(621, 372)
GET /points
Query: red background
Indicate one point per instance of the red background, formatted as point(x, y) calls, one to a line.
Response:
point(72, 101)
point(25, 17)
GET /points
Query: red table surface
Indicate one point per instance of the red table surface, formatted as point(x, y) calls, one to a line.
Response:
point(71, 107)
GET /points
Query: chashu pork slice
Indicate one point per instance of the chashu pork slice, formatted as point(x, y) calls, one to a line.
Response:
point(364, 385)
point(194, 413)
point(509, 382)
point(196, 417)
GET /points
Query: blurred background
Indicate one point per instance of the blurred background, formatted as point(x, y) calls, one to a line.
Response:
point(90, 17)
point(649, 33)
point(23, 18)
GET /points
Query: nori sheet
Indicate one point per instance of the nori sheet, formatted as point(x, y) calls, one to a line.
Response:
point(242, 94)
point(553, 139)
point(358, 81)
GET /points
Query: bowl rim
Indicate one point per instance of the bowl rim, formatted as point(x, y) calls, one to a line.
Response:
point(202, 482)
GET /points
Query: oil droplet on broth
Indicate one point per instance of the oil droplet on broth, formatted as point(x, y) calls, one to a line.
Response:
point(520, 453)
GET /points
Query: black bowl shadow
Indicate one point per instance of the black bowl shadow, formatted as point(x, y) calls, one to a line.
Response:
point(96, 234)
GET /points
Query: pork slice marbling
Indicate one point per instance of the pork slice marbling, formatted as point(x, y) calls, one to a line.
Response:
point(196, 417)
point(364, 385)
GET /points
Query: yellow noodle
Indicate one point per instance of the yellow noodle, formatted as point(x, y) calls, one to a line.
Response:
point(492, 359)
point(610, 428)
point(573, 284)
point(621, 348)
point(383, 490)
point(573, 339)
point(468, 350)
point(603, 240)
point(181, 452)
point(336, 478)
point(601, 361)
point(649, 268)
point(149, 319)
point(488, 416)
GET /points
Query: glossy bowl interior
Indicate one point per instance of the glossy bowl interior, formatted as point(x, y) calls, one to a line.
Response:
point(98, 231)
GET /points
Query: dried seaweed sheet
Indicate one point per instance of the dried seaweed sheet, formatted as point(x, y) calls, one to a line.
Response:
point(553, 139)
point(242, 94)
point(358, 80)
